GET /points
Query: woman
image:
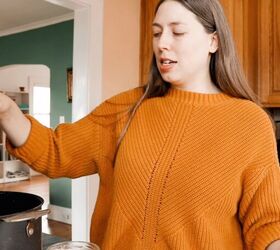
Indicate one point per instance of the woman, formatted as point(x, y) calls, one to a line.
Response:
point(187, 162)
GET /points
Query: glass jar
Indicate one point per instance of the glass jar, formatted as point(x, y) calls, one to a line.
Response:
point(73, 245)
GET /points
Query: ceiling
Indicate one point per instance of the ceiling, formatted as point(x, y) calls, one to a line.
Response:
point(14, 13)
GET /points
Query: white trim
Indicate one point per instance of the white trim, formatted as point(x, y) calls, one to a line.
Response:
point(87, 66)
point(80, 202)
point(36, 25)
point(62, 214)
point(72, 4)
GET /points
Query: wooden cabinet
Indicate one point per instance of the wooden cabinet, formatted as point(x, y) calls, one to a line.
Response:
point(255, 25)
point(269, 52)
point(12, 169)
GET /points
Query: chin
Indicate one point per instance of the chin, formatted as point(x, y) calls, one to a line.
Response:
point(169, 79)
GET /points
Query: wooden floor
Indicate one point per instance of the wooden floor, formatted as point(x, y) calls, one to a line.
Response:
point(39, 185)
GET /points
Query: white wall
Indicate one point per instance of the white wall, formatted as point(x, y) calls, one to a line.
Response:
point(121, 46)
point(14, 76)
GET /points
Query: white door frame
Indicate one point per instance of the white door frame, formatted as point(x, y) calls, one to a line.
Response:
point(87, 93)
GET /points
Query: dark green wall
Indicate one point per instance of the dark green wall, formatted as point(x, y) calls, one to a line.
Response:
point(51, 46)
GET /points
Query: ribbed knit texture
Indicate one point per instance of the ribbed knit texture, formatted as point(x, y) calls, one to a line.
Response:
point(194, 171)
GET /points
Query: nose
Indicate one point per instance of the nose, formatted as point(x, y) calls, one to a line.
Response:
point(164, 41)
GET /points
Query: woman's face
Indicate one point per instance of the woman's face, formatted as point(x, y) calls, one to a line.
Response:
point(181, 45)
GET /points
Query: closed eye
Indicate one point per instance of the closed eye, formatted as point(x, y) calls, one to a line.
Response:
point(178, 34)
point(157, 34)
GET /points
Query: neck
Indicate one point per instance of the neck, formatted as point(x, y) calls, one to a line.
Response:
point(200, 88)
point(200, 82)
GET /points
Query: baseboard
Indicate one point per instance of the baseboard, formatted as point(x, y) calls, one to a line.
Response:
point(61, 214)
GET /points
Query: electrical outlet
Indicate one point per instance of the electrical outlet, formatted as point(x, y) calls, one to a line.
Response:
point(61, 119)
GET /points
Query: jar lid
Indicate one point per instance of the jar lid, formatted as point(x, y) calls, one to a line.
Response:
point(73, 245)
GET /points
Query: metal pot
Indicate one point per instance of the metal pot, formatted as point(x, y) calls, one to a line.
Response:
point(20, 221)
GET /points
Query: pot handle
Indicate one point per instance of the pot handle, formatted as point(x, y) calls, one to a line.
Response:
point(32, 215)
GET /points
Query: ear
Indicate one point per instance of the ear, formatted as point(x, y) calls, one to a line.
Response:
point(214, 43)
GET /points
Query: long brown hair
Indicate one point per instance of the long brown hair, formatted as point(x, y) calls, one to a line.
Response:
point(225, 69)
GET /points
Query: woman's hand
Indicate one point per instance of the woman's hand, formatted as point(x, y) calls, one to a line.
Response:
point(13, 122)
point(275, 245)
point(5, 104)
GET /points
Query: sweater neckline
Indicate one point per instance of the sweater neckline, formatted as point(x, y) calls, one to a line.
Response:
point(197, 98)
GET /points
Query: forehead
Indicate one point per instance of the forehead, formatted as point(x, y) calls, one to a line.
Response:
point(174, 12)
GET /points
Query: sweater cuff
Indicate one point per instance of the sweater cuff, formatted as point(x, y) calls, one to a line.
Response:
point(266, 235)
point(35, 144)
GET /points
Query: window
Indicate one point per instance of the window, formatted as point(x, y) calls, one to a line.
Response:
point(41, 104)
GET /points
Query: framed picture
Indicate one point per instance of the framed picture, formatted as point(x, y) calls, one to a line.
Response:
point(69, 84)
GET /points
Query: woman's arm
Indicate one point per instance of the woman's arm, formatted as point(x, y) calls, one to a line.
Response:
point(274, 245)
point(12, 121)
point(259, 206)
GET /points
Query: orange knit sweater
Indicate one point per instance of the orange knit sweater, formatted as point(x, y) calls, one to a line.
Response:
point(194, 171)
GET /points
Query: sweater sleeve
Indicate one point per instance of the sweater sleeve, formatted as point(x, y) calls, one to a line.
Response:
point(80, 148)
point(259, 208)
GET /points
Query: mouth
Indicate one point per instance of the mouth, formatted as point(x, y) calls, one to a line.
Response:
point(167, 62)
point(166, 65)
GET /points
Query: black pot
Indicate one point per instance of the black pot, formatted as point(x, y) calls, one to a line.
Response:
point(20, 221)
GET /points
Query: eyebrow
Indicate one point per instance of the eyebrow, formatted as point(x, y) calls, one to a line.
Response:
point(170, 24)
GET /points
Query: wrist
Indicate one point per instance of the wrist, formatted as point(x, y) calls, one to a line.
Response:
point(7, 107)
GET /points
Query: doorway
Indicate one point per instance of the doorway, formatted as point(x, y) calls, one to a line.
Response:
point(29, 86)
